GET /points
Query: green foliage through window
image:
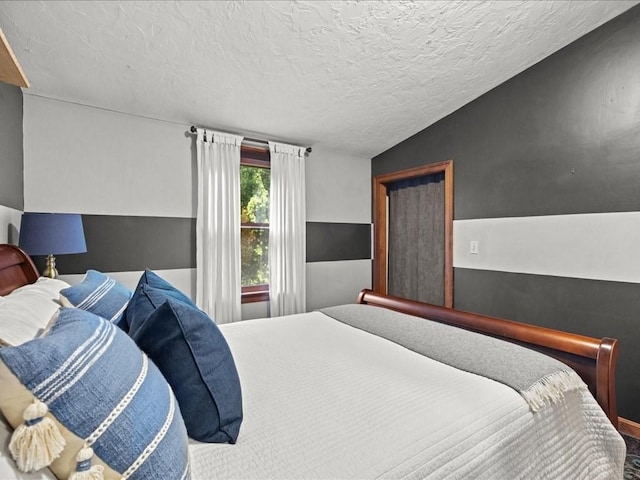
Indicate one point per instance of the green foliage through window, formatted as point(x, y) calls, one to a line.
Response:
point(254, 218)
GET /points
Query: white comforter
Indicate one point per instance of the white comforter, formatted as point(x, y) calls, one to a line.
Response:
point(323, 400)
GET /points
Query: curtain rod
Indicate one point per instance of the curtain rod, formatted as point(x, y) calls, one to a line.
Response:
point(195, 130)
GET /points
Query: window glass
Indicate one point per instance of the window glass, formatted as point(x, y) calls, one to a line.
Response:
point(255, 256)
point(254, 218)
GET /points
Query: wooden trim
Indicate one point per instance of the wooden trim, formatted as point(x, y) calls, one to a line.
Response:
point(255, 293)
point(254, 225)
point(593, 359)
point(379, 236)
point(380, 223)
point(251, 156)
point(10, 70)
point(448, 234)
point(629, 428)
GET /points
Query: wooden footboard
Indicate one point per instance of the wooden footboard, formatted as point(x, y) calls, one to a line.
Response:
point(593, 359)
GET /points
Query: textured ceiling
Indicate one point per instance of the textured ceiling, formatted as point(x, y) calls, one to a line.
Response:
point(356, 77)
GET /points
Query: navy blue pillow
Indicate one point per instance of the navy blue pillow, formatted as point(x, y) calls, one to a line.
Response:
point(151, 292)
point(194, 357)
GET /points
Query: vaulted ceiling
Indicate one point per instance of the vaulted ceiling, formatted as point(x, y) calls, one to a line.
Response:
point(355, 77)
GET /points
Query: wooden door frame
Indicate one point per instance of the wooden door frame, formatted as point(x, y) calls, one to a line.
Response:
point(380, 220)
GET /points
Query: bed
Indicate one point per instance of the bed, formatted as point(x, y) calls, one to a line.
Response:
point(372, 390)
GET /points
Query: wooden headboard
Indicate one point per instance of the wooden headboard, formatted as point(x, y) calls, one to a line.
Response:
point(16, 269)
point(594, 359)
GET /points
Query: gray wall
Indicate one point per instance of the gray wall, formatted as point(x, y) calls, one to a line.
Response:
point(547, 180)
point(11, 191)
point(11, 160)
point(134, 181)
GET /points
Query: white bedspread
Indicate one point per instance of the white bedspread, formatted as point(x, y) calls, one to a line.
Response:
point(323, 400)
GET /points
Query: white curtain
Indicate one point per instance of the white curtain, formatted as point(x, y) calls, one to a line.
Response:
point(218, 280)
point(287, 230)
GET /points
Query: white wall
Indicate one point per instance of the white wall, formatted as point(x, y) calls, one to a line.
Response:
point(338, 190)
point(336, 283)
point(94, 161)
point(596, 246)
point(9, 224)
point(80, 159)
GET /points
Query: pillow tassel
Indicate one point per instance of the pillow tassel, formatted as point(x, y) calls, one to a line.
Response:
point(84, 470)
point(37, 442)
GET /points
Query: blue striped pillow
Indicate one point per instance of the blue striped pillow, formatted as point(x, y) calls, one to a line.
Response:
point(105, 392)
point(100, 294)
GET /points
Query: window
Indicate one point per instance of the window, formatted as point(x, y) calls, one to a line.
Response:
point(255, 179)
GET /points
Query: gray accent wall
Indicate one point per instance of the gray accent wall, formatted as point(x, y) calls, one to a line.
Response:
point(327, 242)
point(560, 139)
point(583, 306)
point(11, 155)
point(117, 243)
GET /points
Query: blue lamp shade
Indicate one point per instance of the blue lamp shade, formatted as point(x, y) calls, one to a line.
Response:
point(52, 233)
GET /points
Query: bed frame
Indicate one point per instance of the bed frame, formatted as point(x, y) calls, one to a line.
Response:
point(592, 358)
point(16, 269)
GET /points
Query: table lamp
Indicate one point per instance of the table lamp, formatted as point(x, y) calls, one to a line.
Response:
point(51, 234)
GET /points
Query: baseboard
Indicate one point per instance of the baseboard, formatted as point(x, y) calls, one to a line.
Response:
point(629, 428)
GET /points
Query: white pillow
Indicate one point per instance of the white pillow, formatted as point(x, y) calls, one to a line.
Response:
point(27, 311)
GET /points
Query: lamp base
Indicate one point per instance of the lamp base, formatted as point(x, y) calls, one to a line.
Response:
point(50, 268)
